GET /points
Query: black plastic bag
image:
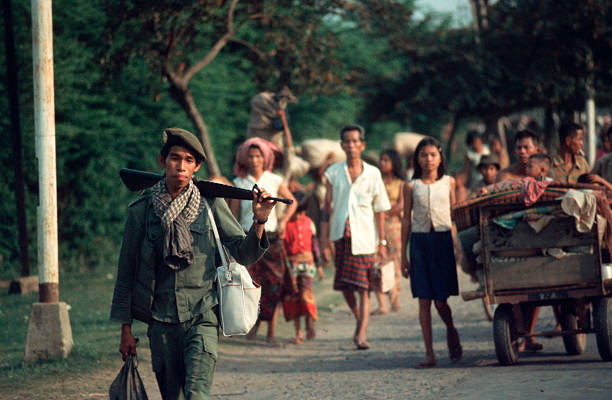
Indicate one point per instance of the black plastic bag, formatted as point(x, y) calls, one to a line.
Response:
point(128, 385)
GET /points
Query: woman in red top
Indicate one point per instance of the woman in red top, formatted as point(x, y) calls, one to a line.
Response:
point(301, 247)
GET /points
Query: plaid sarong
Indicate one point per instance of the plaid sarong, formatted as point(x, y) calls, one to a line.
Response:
point(352, 271)
point(271, 273)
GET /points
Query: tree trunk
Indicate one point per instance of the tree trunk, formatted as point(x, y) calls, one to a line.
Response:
point(475, 20)
point(448, 134)
point(491, 126)
point(13, 94)
point(504, 156)
point(551, 139)
point(183, 96)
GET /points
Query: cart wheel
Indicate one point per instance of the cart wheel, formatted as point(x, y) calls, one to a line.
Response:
point(489, 308)
point(603, 327)
point(574, 344)
point(504, 335)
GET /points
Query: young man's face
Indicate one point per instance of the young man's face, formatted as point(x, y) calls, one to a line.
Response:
point(179, 165)
point(523, 149)
point(575, 143)
point(489, 173)
point(352, 144)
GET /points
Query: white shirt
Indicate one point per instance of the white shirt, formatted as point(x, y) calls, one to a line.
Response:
point(268, 181)
point(358, 201)
point(431, 206)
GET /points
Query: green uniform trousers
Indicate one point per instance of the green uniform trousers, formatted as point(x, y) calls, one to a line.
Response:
point(184, 356)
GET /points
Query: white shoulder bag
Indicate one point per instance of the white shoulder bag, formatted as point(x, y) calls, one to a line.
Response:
point(238, 294)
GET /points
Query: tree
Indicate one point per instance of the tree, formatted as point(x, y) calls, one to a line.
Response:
point(287, 44)
point(531, 54)
point(13, 94)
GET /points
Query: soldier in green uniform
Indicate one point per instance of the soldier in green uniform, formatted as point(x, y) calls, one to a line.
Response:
point(167, 266)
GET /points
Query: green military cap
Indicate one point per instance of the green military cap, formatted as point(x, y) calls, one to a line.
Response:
point(181, 137)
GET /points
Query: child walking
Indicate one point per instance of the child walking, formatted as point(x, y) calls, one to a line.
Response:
point(432, 268)
point(302, 249)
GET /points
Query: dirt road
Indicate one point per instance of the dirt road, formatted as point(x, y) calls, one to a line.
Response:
point(330, 368)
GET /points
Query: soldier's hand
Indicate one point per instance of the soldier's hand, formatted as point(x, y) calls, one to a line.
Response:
point(261, 205)
point(128, 341)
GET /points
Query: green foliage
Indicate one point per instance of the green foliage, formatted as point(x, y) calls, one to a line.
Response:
point(370, 62)
point(534, 54)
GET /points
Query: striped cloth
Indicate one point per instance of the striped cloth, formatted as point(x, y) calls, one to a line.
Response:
point(352, 271)
point(176, 216)
point(467, 213)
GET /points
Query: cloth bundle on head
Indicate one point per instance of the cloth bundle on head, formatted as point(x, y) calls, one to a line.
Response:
point(268, 149)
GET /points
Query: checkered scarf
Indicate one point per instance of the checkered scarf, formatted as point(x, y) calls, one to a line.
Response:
point(176, 217)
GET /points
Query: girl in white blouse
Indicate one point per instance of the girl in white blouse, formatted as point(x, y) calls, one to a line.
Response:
point(428, 226)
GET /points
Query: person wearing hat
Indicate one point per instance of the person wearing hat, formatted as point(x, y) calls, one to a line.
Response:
point(488, 168)
point(167, 266)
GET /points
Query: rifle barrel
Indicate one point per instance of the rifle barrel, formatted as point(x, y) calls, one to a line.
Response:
point(136, 180)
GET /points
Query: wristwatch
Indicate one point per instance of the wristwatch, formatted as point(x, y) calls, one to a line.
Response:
point(383, 242)
point(258, 222)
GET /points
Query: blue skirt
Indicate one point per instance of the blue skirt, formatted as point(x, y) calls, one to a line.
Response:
point(433, 269)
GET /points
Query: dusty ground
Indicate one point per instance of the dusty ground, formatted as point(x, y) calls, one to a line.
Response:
point(329, 367)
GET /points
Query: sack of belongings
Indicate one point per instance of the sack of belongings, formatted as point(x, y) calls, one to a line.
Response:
point(264, 121)
point(315, 151)
point(406, 142)
point(128, 385)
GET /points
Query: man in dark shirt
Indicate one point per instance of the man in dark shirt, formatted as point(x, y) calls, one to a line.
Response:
point(569, 163)
point(167, 268)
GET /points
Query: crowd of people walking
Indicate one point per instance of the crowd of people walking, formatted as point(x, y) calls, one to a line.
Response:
point(370, 217)
point(374, 216)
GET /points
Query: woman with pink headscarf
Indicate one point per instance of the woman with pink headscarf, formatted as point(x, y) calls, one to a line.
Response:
point(254, 163)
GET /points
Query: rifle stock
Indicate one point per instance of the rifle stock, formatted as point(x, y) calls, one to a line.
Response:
point(136, 180)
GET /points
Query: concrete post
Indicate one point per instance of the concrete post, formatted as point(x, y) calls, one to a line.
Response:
point(49, 332)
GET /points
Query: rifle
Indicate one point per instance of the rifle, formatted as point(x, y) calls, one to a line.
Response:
point(140, 180)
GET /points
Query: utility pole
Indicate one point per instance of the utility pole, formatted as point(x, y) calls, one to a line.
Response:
point(590, 110)
point(49, 331)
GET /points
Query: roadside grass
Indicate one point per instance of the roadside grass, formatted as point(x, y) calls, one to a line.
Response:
point(96, 338)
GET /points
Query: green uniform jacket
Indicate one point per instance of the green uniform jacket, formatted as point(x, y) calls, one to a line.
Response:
point(146, 288)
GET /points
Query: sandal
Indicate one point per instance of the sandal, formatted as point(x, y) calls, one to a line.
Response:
point(455, 351)
point(363, 345)
point(379, 312)
point(297, 340)
point(426, 363)
point(311, 334)
point(532, 346)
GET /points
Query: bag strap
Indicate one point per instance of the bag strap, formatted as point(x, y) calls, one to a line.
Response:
point(224, 258)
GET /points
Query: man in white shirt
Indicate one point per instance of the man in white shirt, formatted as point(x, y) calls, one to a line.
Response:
point(357, 193)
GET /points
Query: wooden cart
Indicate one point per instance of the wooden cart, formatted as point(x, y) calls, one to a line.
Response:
point(517, 277)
